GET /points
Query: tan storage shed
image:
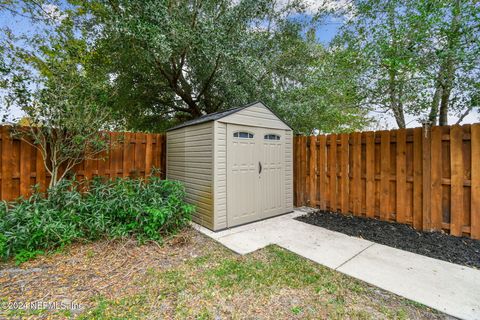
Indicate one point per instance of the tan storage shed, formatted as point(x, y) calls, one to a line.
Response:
point(236, 165)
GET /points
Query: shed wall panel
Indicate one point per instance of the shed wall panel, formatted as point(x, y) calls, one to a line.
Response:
point(190, 160)
point(220, 183)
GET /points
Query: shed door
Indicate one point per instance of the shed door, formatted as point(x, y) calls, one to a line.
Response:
point(255, 173)
point(272, 177)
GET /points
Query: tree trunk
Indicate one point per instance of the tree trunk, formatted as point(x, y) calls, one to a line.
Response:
point(444, 103)
point(432, 117)
point(394, 99)
point(53, 178)
point(446, 74)
point(449, 76)
point(393, 88)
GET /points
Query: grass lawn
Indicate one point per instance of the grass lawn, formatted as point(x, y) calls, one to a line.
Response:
point(190, 276)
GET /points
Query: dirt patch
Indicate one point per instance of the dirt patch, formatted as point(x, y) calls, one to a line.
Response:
point(438, 245)
point(104, 268)
point(192, 277)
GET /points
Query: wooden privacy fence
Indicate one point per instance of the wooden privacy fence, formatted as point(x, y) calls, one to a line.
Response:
point(426, 177)
point(131, 155)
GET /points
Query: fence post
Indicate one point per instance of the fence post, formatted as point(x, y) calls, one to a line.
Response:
point(417, 178)
point(436, 179)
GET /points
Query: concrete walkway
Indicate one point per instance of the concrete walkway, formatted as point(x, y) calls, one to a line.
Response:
point(448, 287)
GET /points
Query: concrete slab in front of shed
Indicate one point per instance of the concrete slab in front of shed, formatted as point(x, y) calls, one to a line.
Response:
point(320, 245)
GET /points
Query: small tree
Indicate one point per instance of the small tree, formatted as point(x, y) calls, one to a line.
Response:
point(65, 105)
point(66, 130)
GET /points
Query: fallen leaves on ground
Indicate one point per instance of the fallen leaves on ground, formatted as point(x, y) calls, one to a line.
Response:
point(191, 276)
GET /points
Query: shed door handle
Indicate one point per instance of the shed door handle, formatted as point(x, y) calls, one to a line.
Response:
point(259, 167)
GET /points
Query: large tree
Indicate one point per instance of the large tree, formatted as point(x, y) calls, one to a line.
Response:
point(175, 60)
point(422, 56)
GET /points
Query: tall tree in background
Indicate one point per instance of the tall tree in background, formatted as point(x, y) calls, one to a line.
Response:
point(164, 61)
point(176, 60)
point(329, 98)
point(422, 56)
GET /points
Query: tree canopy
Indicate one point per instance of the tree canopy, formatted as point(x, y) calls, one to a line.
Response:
point(155, 63)
point(163, 62)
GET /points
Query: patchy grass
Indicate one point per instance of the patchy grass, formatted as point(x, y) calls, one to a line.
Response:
point(194, 277)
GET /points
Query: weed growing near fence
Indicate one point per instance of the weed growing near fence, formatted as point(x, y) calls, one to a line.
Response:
point(146, 209)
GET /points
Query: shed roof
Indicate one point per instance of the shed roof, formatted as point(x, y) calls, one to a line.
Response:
point(220, 114)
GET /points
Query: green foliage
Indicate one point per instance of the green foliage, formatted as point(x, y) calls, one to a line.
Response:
point(25, 255)
point(330, 97)
point(296, 310)
point(421, 57)
point(177, 60)
point(119, 208)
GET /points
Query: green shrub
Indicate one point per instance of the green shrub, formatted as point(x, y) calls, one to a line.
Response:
point(146, 209)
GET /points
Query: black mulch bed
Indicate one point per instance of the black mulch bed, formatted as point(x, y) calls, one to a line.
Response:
point(464, 251)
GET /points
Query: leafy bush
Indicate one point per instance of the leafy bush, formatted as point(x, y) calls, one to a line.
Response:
point(146, 209)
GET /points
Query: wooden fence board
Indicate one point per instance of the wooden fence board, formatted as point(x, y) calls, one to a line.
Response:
point(7, 152)
point(162, 154)
point(345, 179)
point(417, 179)
point(457, 179)
point(312, 177)
point(295, 170)
point(148, 154)
point(127, 157)
point(333, 172)
point(370, 174)
point(385, 175)
point(401, 176)
point(322, 173)
point(25, 170)
point(40, 172)
point(304, 181)
point(475, 178)
point(436, 179)
point(426, 178)
point(357, 167)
